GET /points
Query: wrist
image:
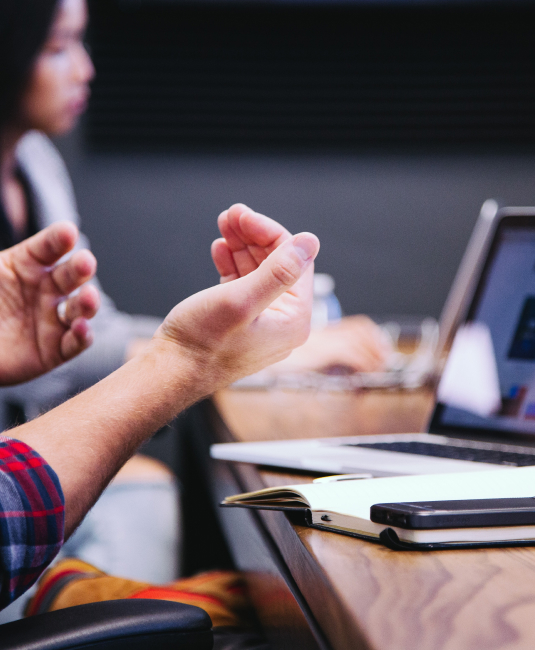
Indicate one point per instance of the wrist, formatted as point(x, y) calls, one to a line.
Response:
point(176, 377)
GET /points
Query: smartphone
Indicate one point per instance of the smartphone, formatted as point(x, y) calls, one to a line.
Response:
point(463, 513)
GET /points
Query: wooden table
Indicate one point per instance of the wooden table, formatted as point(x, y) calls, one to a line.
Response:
point(314, 589)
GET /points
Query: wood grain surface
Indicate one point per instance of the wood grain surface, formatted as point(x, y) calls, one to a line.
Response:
point(279, 415)
point(364, 595)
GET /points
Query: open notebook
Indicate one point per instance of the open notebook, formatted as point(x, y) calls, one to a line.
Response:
point(344, 506)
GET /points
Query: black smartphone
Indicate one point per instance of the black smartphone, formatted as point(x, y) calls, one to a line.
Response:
point(467, 513)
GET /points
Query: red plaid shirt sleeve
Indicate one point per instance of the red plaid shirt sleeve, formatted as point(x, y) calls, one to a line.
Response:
point(32, 517)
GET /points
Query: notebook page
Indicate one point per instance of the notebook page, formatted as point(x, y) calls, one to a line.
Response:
point(354, 498)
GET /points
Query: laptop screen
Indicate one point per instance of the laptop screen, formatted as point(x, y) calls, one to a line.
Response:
point(500, 324)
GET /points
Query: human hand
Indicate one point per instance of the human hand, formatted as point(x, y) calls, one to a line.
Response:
point(33, 340)
point(248, 238)
point(354, 344)
point(241, 326)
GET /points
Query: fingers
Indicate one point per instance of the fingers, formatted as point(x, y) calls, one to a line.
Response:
point(77, 270)
point(234, 240)
point(251, 236)
point(84, 304)
point(239, 327)
point(276, 275)
point(223, 260)
point(362, 356)
point(49, 245)
point(76, 339)
point(242, 226)
point(364, 336)
point(259, 230)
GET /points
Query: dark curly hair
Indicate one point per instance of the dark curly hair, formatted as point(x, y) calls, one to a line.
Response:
point(24, 26)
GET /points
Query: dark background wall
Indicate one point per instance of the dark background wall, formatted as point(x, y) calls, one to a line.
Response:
point(392, 227)
point(393, 200)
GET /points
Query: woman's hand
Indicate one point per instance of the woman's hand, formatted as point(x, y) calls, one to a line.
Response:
point(33, 339)
point(354, 344)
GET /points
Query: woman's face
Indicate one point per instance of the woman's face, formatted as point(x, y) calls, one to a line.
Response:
point(58, 89)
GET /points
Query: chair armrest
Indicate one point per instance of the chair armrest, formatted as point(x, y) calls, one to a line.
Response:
point(136, 624)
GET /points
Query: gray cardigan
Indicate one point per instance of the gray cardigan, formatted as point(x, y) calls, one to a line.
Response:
point(54, 200)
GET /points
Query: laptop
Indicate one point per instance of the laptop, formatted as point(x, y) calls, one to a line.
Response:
point(492, 306)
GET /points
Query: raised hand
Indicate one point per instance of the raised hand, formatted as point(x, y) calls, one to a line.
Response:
point(33, 339)
point(354, 344)
point(239, 327)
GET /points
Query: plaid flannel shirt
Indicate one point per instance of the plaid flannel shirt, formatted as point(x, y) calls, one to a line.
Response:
point(32, 511)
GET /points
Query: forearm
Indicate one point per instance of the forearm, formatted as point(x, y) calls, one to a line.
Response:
point(206, 342)
point(87, 439)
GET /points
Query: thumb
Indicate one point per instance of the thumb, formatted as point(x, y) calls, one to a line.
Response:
point(278, 273)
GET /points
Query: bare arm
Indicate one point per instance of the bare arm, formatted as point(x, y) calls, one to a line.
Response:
point(206, 342)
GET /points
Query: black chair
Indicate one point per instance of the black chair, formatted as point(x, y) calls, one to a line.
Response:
point(136, 624)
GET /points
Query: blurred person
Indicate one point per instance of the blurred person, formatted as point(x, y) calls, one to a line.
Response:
point(46, 86)
point(44, 77)
point(45, 73)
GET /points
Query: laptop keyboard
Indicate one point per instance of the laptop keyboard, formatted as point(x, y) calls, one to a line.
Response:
point(495, 456)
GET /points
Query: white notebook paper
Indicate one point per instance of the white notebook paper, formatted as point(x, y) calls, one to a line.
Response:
point(345, 505)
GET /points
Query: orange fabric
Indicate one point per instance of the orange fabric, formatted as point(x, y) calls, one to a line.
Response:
point(220, 593)
point(38, 598)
